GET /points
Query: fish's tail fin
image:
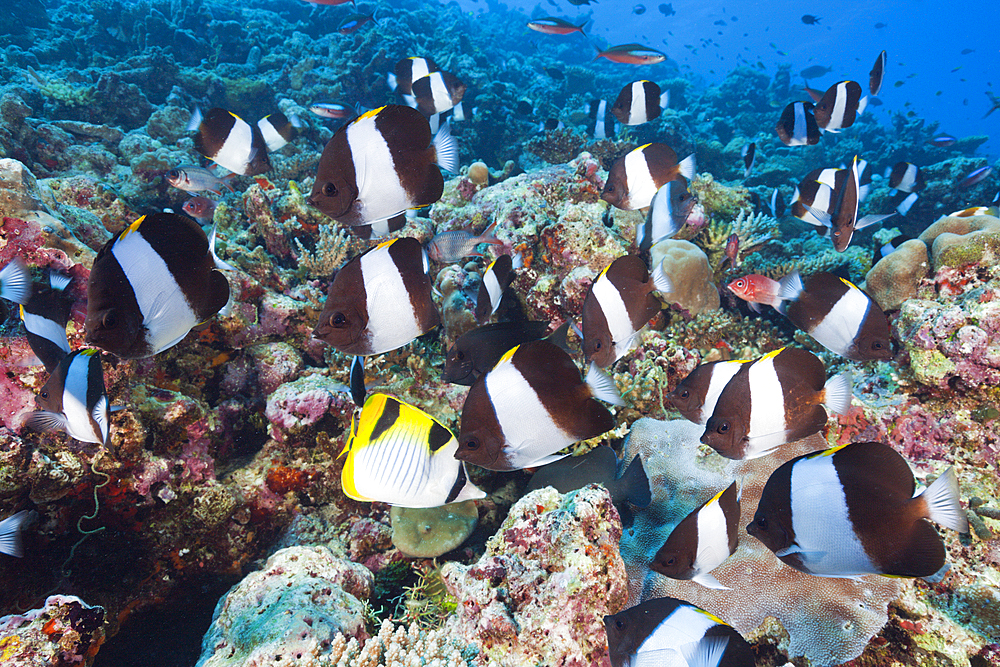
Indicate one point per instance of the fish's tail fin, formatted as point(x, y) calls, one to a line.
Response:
point(838, 393)
point(10, 532)
point(195, 120)
point(15, 281)
point(467, 490)
point(943, 504)
point(219, 263)
point(602, 386)
point(661, 281)
point(447, 149)
point(688, 166)
point(790, 287)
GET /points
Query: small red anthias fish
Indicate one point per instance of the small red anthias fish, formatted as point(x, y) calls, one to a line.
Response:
point(732, 252)
point(755, 289)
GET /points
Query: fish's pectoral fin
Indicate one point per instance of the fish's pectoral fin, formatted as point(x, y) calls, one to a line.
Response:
point(44, 421)
point(708, 581)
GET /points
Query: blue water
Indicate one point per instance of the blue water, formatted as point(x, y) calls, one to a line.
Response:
point(924, 42)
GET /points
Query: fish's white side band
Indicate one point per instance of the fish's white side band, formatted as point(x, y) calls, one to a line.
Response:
point(493, 290)
point(767, 402)
point(713, 538)
point(47, 329)
point(380, 192)
point(685, 625)
point(237, 149)
point(822, 521)
point(74, 403)
point(721, 375)
point(528, 428)
point(837, 331)
point(166, 314)
point(392, 321)
point(637, 111)
point(800, 131)
point(617, 316)
point(272, 137)
point(641, 187)
point(440, 95)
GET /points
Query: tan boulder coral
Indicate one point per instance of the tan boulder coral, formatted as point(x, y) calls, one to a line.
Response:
point(539, 594)
point(896, 276)
point(960, 240)
point(687, 266)
point(428, 532)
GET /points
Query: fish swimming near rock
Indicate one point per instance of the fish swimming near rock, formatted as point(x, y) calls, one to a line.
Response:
point(942, 141)
point(639, 102)
point(475, 352)
point(409, 70)
point(381, 164)
point(74, 400)
point(230, 141)
point(437, 92)
point(634, 178)
point(598, 466)
point(354, 22)
point(974, 178)
point(200, 208)
point(551, 25)
point(601, 123)
point(838, 315)
point(618, 305)
point(450, 247)
point(192, 178)
point(756, 289)
point(702, 541)
point(777, 204)
point(497, 278)
point(731, 253)
point(632, 54)
point(335, 110)
point(379, 301)
point(876, 75)
point(749, 153)
point(814, 72)
point(696, 395)
point(278, 129)
point(400, 455)
point(774, 400)
point(905, 177)
point(668, 631)
point(45, 317)
point(668, 212)
point(852, 511)
point(10, 533)
point(530, 405)
point(840, 105)
point(797, 125)
point(842, 217)
point(883, 250)
point(151, 284)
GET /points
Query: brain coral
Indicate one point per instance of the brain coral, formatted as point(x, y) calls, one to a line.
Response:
point(828, 621)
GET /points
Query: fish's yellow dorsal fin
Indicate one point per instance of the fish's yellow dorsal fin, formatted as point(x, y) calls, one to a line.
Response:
point(385, 244)
point(371, 113)
point(716, 497)
point(849, 284)
point(131, 228)
point(711, 616)
point(505, 359)
point(831, 451)
point(88, 352)
point(772, 354)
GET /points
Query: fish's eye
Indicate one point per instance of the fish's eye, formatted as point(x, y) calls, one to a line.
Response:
point(471, 443)
point(740, 283)
point(460, 355)
point(877, 345)
point(44, 394)
point(610, 187)
point(330, 190)
point(338, 320)
point(620, 624)
point(671, 560)
point(597, 345)
point(109, 320)
point(761, 522)
point(685, 394)
point(173, 175)
point(723, 427)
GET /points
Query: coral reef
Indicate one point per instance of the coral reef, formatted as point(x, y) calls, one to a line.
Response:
point(539, 593)
point(65, 631)
point(290, 612)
